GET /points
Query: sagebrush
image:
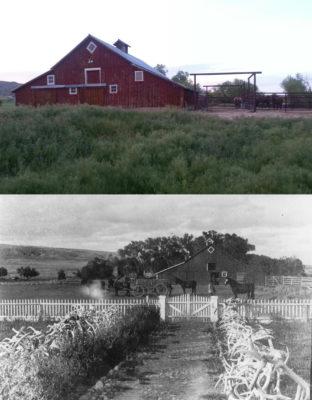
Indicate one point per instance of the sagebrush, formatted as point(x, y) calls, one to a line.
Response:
point(47, 365)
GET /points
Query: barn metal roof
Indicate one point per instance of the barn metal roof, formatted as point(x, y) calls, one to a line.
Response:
point(133, 60)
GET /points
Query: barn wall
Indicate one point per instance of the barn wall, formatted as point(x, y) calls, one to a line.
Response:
point(152, 92)
point(196, 269)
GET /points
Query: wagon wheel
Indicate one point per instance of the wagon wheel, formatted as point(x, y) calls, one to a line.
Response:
point(139, 290)
point(161, 289)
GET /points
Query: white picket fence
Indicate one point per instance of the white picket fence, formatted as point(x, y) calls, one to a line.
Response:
point(184, 307)
point(303, 281)
point(54, 308)
point(294, 309)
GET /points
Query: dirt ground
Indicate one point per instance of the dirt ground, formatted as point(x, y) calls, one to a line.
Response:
point(234, 114)
point(179, 364)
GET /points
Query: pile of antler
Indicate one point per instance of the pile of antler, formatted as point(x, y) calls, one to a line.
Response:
point(253, 367)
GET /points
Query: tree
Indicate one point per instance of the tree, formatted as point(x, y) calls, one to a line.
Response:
point(3, 272)
point(27, 272)
point(183, 78)
point(61, 275)
point(231, 89)
point(162, 69)
point(98, 268)
point(295, 84)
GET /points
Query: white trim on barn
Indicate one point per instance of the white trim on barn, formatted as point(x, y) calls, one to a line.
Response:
point(92, 69)
point(50, 80)
point(73, 90)
point(91, 47)
point(113, 89)
point(138, 76)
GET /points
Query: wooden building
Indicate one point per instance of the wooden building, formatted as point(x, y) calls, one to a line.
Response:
point(212, 267)
point(95, 72)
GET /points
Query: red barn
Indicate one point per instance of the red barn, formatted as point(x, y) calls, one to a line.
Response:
point(95, 72)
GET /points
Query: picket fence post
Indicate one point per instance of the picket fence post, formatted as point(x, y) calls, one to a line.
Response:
point(214, 314)
point(162, 307)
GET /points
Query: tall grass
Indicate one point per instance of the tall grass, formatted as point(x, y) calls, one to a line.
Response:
point(88, 149)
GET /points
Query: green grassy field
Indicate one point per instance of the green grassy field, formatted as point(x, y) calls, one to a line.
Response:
point(87, 149)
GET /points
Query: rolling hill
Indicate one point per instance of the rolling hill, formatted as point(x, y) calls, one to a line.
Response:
point(47, 260)
point(7, 87)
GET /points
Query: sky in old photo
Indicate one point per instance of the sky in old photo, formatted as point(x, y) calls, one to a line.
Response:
point(277, 225)
point(198, 36)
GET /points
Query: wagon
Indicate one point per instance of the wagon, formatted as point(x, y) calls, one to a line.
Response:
point(148, 286)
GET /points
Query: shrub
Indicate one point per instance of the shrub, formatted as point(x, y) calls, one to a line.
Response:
point(88, 149)
point(61, 275)
point(37, 365)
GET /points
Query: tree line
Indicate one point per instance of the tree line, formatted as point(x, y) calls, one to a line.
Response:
point(146, 257)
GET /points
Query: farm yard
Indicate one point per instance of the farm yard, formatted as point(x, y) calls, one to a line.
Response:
point(89, 149)
point(180, 360)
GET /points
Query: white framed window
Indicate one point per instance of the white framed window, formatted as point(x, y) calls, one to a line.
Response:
point(113, 89)
point(91, 47)
point(92, 76)
point(73, 90)
point(138, 76)
point(51, 80)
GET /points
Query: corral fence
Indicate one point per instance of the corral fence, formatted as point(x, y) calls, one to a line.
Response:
point(303, 281)
point(262, 101)
point(176, 308)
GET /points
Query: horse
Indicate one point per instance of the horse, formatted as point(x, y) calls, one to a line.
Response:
point(239, 288)
point(120, 283)
point(186, 285)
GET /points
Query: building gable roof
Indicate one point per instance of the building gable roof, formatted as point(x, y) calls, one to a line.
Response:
point(126, 56)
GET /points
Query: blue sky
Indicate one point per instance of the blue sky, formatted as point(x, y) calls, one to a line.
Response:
point(277, 225)
point(203, 35)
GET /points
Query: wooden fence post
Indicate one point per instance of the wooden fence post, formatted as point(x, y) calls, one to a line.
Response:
point(214, 309)
point(188, 306)
point(162, 307)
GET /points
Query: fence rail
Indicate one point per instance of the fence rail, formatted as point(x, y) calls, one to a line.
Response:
point(303, 281)
point(295, 309)
point(51, 308)
point(171, 308)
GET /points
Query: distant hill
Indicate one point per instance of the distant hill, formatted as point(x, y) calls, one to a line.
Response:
point(47, 260)
point(7, 87)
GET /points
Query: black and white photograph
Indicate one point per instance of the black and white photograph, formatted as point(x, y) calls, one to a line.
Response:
point(155, 297)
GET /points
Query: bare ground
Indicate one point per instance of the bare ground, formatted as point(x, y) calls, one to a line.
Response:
point(179, 364)
point(234, 114)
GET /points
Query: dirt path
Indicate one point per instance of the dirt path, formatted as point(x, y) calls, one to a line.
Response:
point(180, 364)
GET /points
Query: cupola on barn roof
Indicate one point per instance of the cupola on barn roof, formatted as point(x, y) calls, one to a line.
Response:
point(122, 45)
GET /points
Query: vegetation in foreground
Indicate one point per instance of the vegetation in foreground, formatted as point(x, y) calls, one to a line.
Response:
point(48, 365)
point(88, 149)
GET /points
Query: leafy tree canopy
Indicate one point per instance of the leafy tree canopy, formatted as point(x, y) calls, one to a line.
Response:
point(61, 275)
point(3, 271)
point(98, 268)
point(235, 88)
point(155, 254)
point(162, 69)
point(184, 79)
point(295, 84)
point(27, 272)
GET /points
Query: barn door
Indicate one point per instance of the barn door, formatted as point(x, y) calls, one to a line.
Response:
point(92, 76)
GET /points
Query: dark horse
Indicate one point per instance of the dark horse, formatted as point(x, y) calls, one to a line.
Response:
point(186, 285)
point(239, 288)
point(119, 283)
